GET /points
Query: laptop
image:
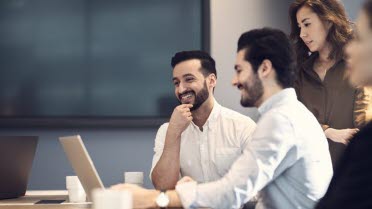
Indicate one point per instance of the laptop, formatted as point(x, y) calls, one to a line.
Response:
point(82, 164)
point(16, 157)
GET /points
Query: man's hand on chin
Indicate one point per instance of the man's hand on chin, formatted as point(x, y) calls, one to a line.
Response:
point(142, 198)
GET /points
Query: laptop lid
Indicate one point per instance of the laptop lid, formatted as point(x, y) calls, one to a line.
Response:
point(16, 157)
point(82, 164)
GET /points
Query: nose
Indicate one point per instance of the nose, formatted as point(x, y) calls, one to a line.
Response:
point(181, 88)
point(234, 81)
point(303, 33)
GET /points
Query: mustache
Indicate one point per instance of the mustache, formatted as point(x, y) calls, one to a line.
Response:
point(186, 92)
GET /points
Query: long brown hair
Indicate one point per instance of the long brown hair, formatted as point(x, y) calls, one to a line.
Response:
point(339, 33)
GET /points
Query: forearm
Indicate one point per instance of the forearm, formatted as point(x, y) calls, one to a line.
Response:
point(166, 172)
point(174, 199)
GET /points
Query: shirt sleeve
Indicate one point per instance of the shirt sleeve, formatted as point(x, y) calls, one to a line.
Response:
point(361, 102)
point(247, 129)
point(159, 146)
point(265, 157)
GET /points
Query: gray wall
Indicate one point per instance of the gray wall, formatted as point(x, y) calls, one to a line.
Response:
point(117, 150)
point(352, 7)
point(229, 19)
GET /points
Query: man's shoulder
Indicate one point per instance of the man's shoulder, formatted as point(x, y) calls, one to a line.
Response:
point(284, 113)
point(163, 128)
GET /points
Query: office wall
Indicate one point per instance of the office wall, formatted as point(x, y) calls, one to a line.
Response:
point(117, 150)
point(352, 7)
point(229, 19)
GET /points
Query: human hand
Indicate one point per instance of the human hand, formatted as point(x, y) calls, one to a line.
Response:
point(341, 135)
point(185, 179)
point(181, 118)
point(142, 198)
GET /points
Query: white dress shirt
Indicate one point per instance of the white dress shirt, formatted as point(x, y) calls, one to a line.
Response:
point(287, 160)
point(207, 155)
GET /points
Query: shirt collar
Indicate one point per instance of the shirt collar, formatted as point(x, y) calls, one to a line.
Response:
point(284, 95)
point(213, 116)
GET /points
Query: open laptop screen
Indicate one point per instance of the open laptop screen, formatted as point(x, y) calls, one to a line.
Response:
point(16, 157)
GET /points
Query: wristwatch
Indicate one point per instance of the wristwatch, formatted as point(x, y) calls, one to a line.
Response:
point(162, 200)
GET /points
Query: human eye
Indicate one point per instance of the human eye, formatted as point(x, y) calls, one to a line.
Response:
point(189, 79)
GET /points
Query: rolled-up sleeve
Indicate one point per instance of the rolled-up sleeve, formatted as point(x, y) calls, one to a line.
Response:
point(159, 145)
point(265, 157)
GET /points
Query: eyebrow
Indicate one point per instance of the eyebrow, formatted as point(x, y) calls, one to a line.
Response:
point(188, 74)
point(305, 19)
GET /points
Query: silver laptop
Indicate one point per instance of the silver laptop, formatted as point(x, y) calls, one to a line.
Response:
point(82, 164)
point(16, 156)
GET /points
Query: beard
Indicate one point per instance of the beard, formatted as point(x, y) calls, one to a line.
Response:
point(200, 97)
point(254, 92)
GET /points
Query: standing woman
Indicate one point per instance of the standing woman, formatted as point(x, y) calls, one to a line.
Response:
point(320, 30)
point(351, 184)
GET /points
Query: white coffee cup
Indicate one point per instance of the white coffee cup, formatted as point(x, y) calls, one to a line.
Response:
point(133, 178)
point(75, 190)
point(112, 199)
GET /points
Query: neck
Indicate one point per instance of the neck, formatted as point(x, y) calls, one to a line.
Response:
point(269, 91)
point(200, 116)
point(324, 54)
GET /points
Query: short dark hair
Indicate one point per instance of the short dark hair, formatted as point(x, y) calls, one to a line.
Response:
point(208, 65)
point(271, 44)
point(367, 7)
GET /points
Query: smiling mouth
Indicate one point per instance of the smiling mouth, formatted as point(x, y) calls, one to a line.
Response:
point(185, 97)
point(308, 42)
point(239, 86)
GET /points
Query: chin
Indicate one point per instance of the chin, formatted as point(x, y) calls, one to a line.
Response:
point(313, 50)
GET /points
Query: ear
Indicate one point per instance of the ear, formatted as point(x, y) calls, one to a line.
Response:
point(211, 80)
point(265, 69)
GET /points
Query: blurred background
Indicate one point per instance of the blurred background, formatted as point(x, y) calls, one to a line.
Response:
point(95, 68)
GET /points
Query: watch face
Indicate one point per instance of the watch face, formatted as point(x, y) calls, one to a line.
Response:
point(162, 200)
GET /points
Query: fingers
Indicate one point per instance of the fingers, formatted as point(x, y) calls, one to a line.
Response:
point(185, 180)
point(187, 114)
point(185, 107)
point(352, 132)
